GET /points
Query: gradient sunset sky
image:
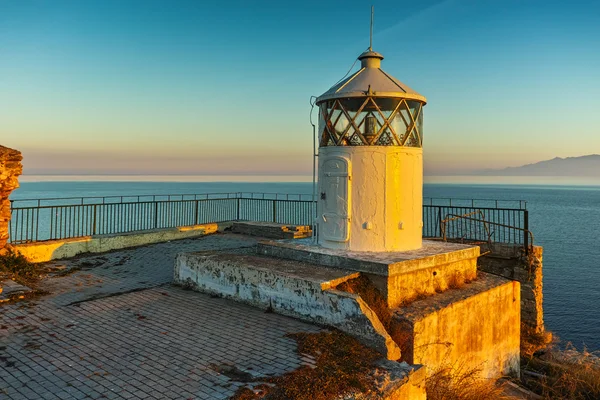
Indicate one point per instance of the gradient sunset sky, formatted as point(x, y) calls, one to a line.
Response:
point(223, 88)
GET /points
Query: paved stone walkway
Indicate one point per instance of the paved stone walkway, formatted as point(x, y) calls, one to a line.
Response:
point(118, 329)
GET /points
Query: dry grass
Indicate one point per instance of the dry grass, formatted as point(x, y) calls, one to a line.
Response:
point(532, 341)
point(343, 366)
point(13, 265)
point(461, 383)
point(565, 374)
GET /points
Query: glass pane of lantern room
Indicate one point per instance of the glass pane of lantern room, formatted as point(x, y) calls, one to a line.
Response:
point(400, 123)
point(416, 110)
point(420, 125)
point(322, 111)
point(386, 104)
point(342, 124)
point(398, 126)
point(352, 104)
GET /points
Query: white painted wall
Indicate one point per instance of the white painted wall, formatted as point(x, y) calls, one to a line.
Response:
point(383, 207)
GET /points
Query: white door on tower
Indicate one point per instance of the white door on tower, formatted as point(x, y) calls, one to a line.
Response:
point(335, 203)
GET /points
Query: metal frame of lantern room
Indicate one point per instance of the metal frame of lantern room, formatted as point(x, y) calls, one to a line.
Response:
point(371, 108)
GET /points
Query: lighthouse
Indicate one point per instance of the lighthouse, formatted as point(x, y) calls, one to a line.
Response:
point(370, 182)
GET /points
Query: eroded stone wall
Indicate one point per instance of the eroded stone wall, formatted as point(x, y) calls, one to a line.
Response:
point(10, 169)
point(510, 262)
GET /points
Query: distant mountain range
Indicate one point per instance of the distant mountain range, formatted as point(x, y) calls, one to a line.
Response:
point(570, 166)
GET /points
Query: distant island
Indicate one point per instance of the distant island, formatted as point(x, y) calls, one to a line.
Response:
point(571, 166)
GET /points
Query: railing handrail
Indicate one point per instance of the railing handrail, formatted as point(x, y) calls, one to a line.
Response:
point(430, 200)
point(477, 207)
point(196, 196)
point(154, 201)
point(252, 195)
point(233, 198)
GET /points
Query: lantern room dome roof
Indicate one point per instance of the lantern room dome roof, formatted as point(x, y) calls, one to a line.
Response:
point(371, 80)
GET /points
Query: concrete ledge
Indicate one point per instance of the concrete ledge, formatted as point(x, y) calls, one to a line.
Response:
point(432, 254)
point(57, 249)
point(287, 287)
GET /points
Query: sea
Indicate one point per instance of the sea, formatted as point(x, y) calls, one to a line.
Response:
point(564, 216)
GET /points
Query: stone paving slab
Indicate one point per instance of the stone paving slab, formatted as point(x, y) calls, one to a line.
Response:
point(118, 330)
point(131, 269)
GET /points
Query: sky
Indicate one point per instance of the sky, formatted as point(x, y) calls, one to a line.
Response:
point(223, 88)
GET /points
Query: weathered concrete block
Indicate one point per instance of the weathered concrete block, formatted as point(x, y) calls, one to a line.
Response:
point(400, 276)
point(477, 326)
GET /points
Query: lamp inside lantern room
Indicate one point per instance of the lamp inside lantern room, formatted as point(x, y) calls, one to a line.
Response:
point(370, 125)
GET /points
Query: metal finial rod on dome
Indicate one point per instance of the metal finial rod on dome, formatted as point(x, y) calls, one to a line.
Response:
point(371, 35)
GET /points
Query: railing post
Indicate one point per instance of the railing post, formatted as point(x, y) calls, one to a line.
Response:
point(526, 231)
point(196, 214)
point(239, 205)
point(10, 224)
point(440, 220)
point(274, 210)
point(95, 219)
point(155, 215)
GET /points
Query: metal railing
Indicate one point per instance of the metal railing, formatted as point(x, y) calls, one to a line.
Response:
point(62, 218)
point(32, 223)
point(496, 225)
point(484, 230)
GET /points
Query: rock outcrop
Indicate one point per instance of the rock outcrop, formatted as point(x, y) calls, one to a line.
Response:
point(10, 169)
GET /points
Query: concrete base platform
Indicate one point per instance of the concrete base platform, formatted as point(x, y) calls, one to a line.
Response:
point(477, 326)
point(400, 276)
point(441, 311)
point(288, 287)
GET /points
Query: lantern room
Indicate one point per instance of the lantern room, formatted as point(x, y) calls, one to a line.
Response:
point(371, 108)
point(370, 162)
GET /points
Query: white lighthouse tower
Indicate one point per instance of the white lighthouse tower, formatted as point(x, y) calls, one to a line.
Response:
point(370, 190)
